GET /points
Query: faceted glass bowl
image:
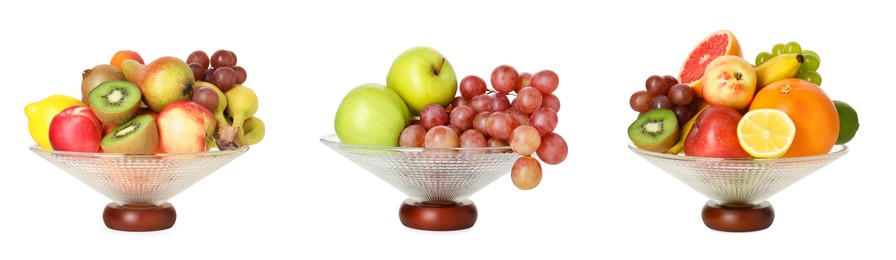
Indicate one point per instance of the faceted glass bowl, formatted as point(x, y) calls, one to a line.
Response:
point(139, 180)
point(739, 181)
point(429, 175)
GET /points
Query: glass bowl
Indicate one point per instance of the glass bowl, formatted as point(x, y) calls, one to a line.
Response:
point(139, 185)
point(738, 188)
point(437, 180)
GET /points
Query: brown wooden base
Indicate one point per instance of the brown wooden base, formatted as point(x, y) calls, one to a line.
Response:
point(139, 218)
point(438, 216)
point(738, 218)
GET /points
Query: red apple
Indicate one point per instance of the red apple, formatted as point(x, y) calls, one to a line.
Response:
point(729, 81)
point(714, 134)
point(185, 127)
point(76, 129)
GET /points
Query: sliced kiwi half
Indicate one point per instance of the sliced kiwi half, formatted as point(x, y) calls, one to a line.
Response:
point(136, 136)
point(114, 102)
point(655, 130)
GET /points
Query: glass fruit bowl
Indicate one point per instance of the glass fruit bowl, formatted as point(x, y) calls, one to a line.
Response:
point(738, 188)
point(139, 185)
point(437, 180)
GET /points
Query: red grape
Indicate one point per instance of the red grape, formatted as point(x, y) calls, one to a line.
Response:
point(240, 74)
point(505, 79)
point(412, 136)
point(224, 78)
point(500, 125)
point(671, 80)
point(223, 58)
point(521, 118)
point(209, 76)
point(462, 116)
point(206, 97)
point(525, 81)
point(198, 71)
point(553, 149)
point(480, 102)
point(525, 140)
point(682, 113)
point(198, 57)
point(498, 102)
point(461, 101)
point(471, 139)
point(657, 85)
point(433, 115)
point(495, 142)
point(546, 81)
point(528, 100)
point(480, 122)
point(455, 128)
point(441, 137)
point(550, 101)
point(681, 94)
point(544, 120)
point(640, 101)
point(526, 173)
point(471, 86)
point(661, 102)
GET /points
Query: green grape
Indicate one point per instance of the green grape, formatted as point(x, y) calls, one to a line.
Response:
point(762, 57)
point(810, 61)
point(792, 47)
point(777, 49)
point(810, 76)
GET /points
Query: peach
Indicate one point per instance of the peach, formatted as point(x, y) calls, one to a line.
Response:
point(185, 127)
point(123, 55)
point(714, 134)
point(76, 129)
point(729, 81)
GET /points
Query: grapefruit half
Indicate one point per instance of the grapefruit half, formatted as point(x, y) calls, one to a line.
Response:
point(716, 44)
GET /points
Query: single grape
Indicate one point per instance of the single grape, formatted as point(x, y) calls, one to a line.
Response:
point(441, 137)
point(550, 101)
point(224, 78)
point(792, 47)
point(640, 101)
point(495, 142)
point(198, 71)
point(546, 81)
point(455, 128)
point(206, 97)
point(412, 136)
point(661, 102)
point(777, 49)
point(671, 80)
point(544, 120)
point(811, 61)
point(524, 140)
point(521, 118)
point(681, 94)
point(528, 100)
point(682, 113)
point(471, 86)
point(553, 149)
point(209, 75)
point(811, 76)
point(762, 57)
point(657, 85)
point(198, 57)
point(473, 139)
point(223, 58)
point(433, 115)
point(460, 101)
point(462, 116)
point(480, 102)
point(498, 102)
point(505, 79)
point(526, 173)
point(480, 122)
point(525, 81)
point(500, 125)
point(240, 74)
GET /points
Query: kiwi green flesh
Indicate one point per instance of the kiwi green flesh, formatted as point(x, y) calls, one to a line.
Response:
point(656, 130)
point(114, 102)
point(136, 136)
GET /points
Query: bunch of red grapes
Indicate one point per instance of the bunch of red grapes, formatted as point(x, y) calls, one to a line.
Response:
point(665, 92)
point(480, 117)
point(224, 72)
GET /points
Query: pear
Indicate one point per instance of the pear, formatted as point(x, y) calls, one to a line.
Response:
point(162, 81)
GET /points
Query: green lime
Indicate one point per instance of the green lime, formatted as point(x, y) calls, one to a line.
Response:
point(849, 121)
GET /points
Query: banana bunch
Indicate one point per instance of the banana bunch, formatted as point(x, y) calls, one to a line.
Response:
point(234, 114)
point(779, 67)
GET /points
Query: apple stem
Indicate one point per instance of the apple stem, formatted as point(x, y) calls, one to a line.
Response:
point(738, 76)
point(439, 69)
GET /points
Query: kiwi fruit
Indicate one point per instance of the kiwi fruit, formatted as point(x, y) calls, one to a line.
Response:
point(114, 102)
point(655, 130)
point(91, 78)
point(136, 136)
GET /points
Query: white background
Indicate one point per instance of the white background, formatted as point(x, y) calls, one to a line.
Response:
point(292, 197)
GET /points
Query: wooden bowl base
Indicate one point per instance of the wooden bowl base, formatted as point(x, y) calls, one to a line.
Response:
point(738, 218)
point(438, 216)
point(139, 218)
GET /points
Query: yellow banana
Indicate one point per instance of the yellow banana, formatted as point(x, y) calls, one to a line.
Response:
point(685, 129)
point(780, 67)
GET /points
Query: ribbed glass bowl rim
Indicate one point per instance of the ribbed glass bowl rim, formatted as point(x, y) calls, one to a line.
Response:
point(332, 140)
point(837, 151)
point(37, 149)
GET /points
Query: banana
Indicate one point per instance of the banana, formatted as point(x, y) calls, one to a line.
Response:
point(254, 130)
point(780, 67)
point(242, 103)
point(222, 102)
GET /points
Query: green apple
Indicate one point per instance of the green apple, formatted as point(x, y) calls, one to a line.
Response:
point(422, 76)
point(371, 114)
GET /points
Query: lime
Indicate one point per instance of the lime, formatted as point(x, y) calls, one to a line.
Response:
point(849, 121)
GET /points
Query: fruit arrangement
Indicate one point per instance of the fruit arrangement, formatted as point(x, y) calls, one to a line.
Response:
point(419, 107)
point(722, 106)
point(130, 107)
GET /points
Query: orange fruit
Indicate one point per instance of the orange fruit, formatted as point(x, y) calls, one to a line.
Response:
point(812, 111)
point(766, 133)
point(120, 56)
point(713, 46)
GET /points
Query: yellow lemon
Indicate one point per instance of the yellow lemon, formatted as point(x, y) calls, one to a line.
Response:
point(41, 113)
point(766, 133)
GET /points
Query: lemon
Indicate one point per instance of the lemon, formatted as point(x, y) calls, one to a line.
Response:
point(849, 121)
point(41, 113)
point(766, 133)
